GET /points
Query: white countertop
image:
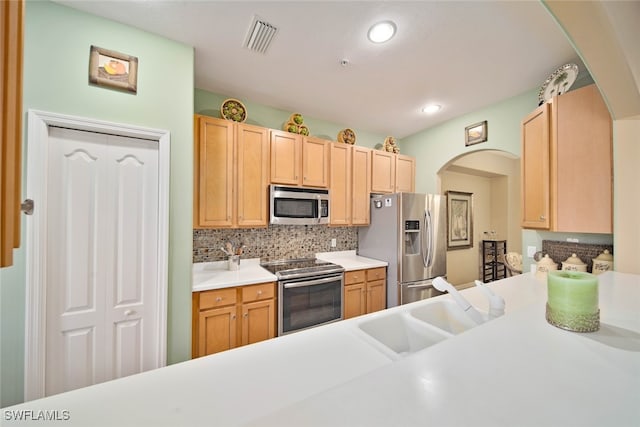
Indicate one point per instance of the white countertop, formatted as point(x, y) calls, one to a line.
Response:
point(215, 275)
point(516, 370)
point(350, 261)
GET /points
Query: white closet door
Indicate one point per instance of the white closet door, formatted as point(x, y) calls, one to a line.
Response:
point(102, 245)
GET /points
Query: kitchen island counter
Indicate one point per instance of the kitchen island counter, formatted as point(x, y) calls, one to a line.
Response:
point(516, 370)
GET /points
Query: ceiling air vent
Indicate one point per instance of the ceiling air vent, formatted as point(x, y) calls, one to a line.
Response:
point(260, 35)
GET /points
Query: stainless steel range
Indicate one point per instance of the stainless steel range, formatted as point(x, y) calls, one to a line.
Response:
point(309, 293)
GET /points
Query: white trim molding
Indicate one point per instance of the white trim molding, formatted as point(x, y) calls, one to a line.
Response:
point(36, 227)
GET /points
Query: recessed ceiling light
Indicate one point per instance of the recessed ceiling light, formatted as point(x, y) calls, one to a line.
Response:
point(433, 108)
point(381, 32)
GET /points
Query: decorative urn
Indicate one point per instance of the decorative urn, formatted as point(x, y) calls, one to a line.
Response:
point(573, 263)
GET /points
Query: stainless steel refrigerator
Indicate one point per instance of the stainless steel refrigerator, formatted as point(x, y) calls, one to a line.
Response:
point(408, 230)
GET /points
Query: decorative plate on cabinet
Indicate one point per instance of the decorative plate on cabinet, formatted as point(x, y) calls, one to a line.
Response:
point(558, 82)
point(232, 109)
point(347, 136)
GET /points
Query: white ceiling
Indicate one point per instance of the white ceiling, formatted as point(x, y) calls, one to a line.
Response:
point(462, 55)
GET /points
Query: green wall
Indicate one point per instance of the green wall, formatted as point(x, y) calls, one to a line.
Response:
point(56, 62)
point(437, 146)
point(208, 104)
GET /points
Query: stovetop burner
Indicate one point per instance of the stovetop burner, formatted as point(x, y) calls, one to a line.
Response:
point(302, 267)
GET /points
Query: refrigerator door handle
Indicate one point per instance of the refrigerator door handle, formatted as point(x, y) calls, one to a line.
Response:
point(427, 240)
point(420, 285)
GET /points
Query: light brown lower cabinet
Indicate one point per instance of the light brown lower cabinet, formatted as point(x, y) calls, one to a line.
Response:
point(364, 291)
point(227, 318)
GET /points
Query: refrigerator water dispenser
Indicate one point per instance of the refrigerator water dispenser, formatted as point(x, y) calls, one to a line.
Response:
point(412, 237)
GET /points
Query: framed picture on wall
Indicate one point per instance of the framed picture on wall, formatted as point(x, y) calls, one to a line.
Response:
point(459, 220)
point(113, 69)
point(475, 134)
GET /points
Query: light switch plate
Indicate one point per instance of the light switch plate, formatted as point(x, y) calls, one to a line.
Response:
point(531, 251)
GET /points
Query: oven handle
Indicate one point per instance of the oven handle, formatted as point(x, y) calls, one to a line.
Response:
point(311, 282)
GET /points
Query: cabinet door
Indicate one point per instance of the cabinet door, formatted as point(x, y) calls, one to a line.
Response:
point(354, 300)
point(258, 321)
point(376, 292)
point(405, 174)
point(213, 198)
point(286, 157)
point(361, 185)
point(340, 184)
point(583, 173)
point(535, 169)
point(315, 162)
point(383, 172)
point(252, 165)
point(217, 330)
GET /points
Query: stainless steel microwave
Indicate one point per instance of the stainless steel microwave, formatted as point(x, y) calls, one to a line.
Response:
point(298, 205)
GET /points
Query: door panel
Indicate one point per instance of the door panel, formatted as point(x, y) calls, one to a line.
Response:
point(128, 348)
point(79, 358)
point(101, 273)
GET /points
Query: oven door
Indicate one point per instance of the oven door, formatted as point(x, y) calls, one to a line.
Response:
point(307, 302)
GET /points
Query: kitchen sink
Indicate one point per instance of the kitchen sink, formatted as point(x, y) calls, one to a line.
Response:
point(399, 334)
point(445, 315)
point(403, 332)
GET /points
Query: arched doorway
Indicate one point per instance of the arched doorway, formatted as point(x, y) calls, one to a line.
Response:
point(493, 177)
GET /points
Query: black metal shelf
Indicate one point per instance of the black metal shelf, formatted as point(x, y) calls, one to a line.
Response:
point(493, 252)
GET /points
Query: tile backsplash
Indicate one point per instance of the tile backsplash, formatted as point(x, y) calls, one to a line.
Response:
point(274, 242)
point(559, 251)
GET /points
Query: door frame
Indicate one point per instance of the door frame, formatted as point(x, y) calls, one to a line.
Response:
point(36, 229)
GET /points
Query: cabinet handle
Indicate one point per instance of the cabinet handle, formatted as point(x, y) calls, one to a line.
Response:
point(259, 292)
point(246, 315)
point(129, 312)
point(218, 299)
point(233, 316)
point(542, 218)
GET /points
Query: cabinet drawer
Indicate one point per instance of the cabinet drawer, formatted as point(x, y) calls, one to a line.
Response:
point(217, 298)
point(351, 277)
point(258, 292)
point(376, 274)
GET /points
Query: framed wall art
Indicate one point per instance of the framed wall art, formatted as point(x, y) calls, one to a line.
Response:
point(475, 134)
point(459, 220)
point(113, 69)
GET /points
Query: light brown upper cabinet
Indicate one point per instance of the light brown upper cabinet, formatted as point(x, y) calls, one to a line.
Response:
point(360, 185)
point(315, 162)
point(11, 40)
point(567, 164)
point(340, 184)
point(350, 184)
point(297, 160)
point(231, 174)
point(405, 174)
point(392, 173)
